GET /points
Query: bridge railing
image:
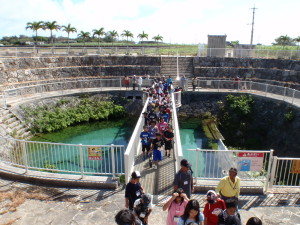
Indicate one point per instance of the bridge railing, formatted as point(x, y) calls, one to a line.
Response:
point(81, 159)
point(177, 145)
point(133, 145)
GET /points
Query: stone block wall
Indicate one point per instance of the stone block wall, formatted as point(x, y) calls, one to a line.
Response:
point(265, 69)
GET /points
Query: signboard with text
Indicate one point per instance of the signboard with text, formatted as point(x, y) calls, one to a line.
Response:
point(295, 166)
point(94, 153)
point(250, 161)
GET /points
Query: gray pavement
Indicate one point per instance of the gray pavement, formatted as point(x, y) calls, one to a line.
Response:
point(91, 206)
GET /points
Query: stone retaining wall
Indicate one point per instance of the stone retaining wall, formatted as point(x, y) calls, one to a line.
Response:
point(19, 70)
point(268, 119)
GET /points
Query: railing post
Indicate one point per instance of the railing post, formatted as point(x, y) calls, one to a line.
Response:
point(4, 100)
point(120, 83)
point(284, 93)
point(219, 85)
point(25, 156)
point(100, 85)
point(269, 169)
point(273, 171)
point(266, 91)
point(112, 152)
point(81, 161)
point(197, 164)
point(293, 96)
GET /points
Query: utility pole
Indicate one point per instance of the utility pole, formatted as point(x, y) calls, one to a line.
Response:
point(251, 42)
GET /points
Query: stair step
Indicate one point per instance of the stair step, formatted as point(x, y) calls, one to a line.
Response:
point(10, 120)
point(14, 124)
point(5, 117)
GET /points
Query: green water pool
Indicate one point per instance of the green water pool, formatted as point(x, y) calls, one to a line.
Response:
point(67, 158)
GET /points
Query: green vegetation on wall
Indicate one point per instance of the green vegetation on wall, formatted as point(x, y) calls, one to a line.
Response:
point(236, 116)
point(69, 111)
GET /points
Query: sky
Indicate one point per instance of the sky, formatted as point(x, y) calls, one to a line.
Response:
point(177, 21)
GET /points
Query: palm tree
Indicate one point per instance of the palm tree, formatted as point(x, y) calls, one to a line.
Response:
point(35, 26)
point(69, 30)
point(51, 26)
point(297, 39)
point(157, 38)
point(284, 40)
point(99, 33)
point(114, 35)
point(127, 34)
point(84, 35)
point(142, 36)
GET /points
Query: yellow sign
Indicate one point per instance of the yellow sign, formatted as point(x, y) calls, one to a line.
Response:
point(94, 153)
point(296, 166)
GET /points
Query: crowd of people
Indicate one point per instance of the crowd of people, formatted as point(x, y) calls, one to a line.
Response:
point(220, 209)
point(221, 206)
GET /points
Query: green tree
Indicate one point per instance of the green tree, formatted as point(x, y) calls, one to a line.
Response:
point(297, 39)
point(127, 34)
point(98, 33)
point(51, 26)
point(69, 29)
point(113, 34)
point(84, 35)
point(283, 40)
point(35, 26)
point(157, 38)
point(142, 36)
point(233, 43)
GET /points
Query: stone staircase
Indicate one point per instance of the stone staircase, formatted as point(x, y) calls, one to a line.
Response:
point(10, 125)
point(169, 66)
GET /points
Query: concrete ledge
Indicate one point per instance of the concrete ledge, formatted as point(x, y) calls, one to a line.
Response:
point(57, 179)
point(247, 187)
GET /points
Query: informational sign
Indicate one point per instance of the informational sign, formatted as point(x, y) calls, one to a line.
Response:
point(295, 166)
point(250, 161)
point(94, 153)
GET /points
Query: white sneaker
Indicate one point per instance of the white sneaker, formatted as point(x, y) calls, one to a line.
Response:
point(155, 167)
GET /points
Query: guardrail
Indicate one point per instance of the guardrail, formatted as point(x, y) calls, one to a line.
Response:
point(253, 165)
point(183, 50)
point(80, 159)
point(177, 146)
point(249, 53)
point(285, 172)
point(64, 87)
point(133, 145)
point(278, 92)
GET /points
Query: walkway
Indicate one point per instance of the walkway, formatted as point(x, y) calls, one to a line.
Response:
point(159, 181)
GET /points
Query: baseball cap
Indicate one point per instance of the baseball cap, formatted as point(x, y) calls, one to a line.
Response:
point(146, 199)
point(211, 195)
point(136, 174)
point(233, 170)
point(185, 163)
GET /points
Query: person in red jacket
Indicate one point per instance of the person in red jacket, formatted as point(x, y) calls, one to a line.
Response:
point(213, 208)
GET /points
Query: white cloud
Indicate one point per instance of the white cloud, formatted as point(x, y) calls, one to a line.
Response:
point(181, 21)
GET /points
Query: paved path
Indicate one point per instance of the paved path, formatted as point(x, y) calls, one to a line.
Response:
point(63, 206)
point(159, 181)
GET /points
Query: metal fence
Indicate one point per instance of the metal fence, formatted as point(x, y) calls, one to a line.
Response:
point(63, 158)
point(214, 164)
point(249, 53)
point(285, 172)
point(182, 50)
point(273, 91)
point(64, 87)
